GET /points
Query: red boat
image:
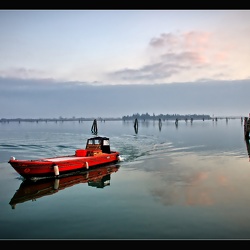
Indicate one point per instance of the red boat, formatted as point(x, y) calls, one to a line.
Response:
point(96, 153)
point(98, 177)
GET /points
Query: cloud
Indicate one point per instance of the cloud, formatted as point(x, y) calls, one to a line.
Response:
point(168, 57)
point(172, 57)
point(50, 98)
point(147, 74)
point(22, 73)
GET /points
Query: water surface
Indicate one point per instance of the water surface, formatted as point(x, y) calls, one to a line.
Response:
point(189, 181)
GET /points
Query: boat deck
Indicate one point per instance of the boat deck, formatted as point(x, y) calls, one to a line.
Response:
point(65, 158)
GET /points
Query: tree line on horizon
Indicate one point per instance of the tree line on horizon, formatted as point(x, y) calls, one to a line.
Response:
point(167, 117)
point(137, 116)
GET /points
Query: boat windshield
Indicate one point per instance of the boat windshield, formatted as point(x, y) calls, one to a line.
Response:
point(105, 142)
point(99, 142)
point(94, 142)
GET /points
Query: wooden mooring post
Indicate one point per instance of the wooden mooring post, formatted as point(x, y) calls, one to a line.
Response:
point(160, 124)
point(136, 125)
point(246, 127)
point(94, 129)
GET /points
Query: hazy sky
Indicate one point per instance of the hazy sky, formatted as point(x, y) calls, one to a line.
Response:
point(52, 62)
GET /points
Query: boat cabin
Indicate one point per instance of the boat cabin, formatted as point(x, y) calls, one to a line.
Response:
point(94, 146)
point(98, 143)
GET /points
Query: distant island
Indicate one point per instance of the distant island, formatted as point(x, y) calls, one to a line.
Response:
point(137, 116)
point(167, 117)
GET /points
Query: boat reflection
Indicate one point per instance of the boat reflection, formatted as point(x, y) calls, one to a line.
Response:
point(31, 190)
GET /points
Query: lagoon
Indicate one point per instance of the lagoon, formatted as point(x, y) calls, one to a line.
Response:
point(189, 181)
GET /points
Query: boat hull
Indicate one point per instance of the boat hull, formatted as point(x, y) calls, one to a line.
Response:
point(52, 167)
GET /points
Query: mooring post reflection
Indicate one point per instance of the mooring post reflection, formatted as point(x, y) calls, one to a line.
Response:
point(248, 147)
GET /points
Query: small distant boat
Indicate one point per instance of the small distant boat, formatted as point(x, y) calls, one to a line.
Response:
point(96, 153)
point(98, 177)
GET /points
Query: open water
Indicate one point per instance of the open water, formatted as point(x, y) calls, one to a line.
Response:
point(190, 181)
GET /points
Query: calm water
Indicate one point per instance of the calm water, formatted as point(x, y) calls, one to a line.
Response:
point(185, 182)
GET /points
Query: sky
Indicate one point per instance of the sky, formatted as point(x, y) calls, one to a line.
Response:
point(111, 63)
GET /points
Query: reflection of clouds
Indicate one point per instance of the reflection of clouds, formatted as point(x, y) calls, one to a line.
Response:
point(223, 180)
point(200, 177)
point(192, 180)
point(202, 199)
